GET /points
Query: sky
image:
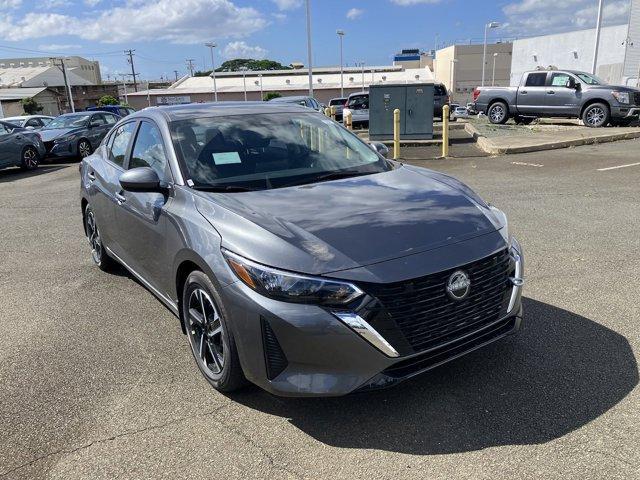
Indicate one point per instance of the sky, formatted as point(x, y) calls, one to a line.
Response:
point(164, 33)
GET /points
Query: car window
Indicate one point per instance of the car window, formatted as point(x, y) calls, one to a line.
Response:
point(559, 79)
point(536, 80)
point(4, 130)
point(440, 90)
point(98, 120)
point(119, 143)
point(337, 101)
point(148, 150)
point(46, 121)
point(590, 79)
point(33, 122)
point(359, 102)
point(111, 119)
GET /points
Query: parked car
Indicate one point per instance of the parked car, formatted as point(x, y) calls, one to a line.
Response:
point(471, 108)
point(358, 105)
point(76, 134)
point(309, 102)
point(560, 93)
point(30, 122)
point(119, 110)
point(460, 112)
point(19, 147)
point(440, 99)
point(305, 267)
point(338, 103)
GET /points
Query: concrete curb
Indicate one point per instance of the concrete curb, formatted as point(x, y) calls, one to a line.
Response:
point(489, 146)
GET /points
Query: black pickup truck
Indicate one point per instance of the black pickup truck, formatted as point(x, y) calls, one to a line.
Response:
point(560, 93)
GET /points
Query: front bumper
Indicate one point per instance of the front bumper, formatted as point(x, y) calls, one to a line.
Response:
point(62, 149)
point(306, 350)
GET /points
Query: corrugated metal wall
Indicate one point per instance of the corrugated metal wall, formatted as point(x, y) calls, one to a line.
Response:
point(632, 52)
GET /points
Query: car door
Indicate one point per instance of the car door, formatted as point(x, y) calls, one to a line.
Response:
point(532, 96)
point(8, 154)
point(141, 216)
point(562, 100)
point(98, 128)
point(103, 178)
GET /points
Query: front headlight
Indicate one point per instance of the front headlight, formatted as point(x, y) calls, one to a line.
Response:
point(291, 287)
point(66, 138)
point(621, 97)
point(500, 222)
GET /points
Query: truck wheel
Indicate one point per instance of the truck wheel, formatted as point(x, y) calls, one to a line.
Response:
point(596, 115)
point(498, 113)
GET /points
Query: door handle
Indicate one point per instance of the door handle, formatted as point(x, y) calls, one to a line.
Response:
point(523, 92)
point(91, 176)
point(120, 198)
point(551, 92)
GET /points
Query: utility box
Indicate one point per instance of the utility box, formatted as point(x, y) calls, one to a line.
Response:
point(415, 101)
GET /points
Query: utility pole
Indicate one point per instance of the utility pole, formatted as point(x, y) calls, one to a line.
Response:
point(176, 72)
point(190, 65)
point(597, 42)
point(340, 34)
point(133, 70)
point(309, 55)
point(63, 69)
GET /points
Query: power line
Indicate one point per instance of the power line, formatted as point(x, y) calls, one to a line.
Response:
point(67, 54)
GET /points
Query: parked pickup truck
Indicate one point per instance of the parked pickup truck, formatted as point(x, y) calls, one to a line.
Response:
point(560, 93)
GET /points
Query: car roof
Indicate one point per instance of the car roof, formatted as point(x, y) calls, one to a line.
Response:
point(25, 117)
point(219, 109)
point(289, 99)
point(358, 93)
point(76, 114)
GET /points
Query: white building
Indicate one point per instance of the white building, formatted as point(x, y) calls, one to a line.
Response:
point(81, 67)
point(38, 77)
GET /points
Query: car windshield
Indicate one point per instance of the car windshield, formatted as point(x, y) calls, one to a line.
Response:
point(337, 101)
point(264, 151)
point(70, 121)
point(590, 79)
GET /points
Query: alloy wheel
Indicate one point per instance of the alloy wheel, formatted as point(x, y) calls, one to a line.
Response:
point(497, 113)
point(84, 149)
point(30, 158)
point(595, 116)
point(93, 234)
point(206, 332)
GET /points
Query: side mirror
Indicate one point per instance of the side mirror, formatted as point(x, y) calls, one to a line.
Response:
point(141, 179)
point(571, 83)
point(381, 148)
point(30, 127)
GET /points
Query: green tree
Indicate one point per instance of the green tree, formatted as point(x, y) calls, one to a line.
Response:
point(30, 106)
point(107, 100)
point(271, 95)
point(237, 64)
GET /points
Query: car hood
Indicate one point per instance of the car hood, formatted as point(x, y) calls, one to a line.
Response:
point(53, 133)
point(343, 224)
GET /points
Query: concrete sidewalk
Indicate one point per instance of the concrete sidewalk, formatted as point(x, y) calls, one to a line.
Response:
point(507, 139)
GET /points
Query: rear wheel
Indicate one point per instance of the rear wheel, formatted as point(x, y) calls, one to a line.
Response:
point(498, 113)
point(596, 115)
point(211, 340)
point(30, 158)
point(84, 148)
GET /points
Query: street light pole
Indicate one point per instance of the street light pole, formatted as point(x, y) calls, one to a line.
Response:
point(484, 49)
point(597, 42)
point(341, 36)
point(493, 77)
point(451, 78)
point(362, 65)
point(261, 92)
point(211, 46)
point(309, 59)
point(244, 82)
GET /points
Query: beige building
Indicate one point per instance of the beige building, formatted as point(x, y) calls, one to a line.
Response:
point(34, 71)
point(460, 66)
point(10, 99)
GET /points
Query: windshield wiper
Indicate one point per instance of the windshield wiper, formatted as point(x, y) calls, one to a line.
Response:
point(328, 176)
point(225, 188)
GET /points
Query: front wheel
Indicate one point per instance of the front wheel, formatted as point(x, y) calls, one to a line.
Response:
point(211, 340)
point(30, 158)
point(596, 115)
point(98, 252)
point(498, 113)
point(84, 149)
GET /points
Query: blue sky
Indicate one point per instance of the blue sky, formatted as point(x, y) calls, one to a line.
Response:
point(166, 32)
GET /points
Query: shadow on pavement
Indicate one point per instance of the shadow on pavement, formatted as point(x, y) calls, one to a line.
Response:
point(13, 174)
point(559, 373)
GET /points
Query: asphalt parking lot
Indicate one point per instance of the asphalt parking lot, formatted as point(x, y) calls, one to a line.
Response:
point(98, 380)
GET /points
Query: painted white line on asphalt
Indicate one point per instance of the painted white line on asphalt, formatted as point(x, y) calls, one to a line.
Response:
point(619, 166)
point(527, 164)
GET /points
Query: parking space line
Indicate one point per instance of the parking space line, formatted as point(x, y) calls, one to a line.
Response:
point(619, 166)
point(525, 164)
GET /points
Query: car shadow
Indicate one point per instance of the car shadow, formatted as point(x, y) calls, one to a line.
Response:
point(14, 174)
point(559, 373)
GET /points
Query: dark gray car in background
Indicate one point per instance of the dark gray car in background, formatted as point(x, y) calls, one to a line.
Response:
point(19, 147)
point(295, 256)
point(76, 135)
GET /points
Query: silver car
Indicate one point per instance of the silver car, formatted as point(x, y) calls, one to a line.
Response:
point(358, 105)
point(30, 122)
point(295, 256)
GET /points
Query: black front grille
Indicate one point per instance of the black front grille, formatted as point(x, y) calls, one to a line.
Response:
point(425, 316)
point(636, 98)
point(274, 357)
point(48, 145)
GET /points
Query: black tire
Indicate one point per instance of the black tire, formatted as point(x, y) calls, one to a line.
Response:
point(30, 158)
point(215, 352)
point(98, 252)
point(596, 115)
point(498, 113)
point(84, 148)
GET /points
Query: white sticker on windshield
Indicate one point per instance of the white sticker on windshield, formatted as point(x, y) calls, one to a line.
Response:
point(225, 158)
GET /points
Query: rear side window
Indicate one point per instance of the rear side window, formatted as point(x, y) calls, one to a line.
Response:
point(120, 142)
point(337, 101)
point(359, 102)
point(440, 90)
point(536, 80)
point(148, 150)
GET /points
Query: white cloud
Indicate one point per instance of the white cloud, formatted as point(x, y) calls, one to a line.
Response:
point(287, 4)
point(533, 17)
point(183, 22)
point(58, 48)
point(46, 4)
point(242, 50)
point(407, 3)
point(354, 13)
point(7, 4)
point(91, 3)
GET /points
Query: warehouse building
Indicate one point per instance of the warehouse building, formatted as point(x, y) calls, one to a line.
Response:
point(38, 69)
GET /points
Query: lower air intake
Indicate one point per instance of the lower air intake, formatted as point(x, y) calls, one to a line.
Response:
point(274, 357)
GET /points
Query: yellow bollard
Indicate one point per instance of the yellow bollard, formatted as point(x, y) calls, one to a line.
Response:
point(445, 131)
point(333, 112)
point(348, 121)
point(396, 134)
point(327, 112)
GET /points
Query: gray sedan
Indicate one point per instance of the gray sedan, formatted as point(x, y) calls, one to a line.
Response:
point(295, 256)
point(19, 147)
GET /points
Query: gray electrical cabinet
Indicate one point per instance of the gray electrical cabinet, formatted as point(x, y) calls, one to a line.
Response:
point(415, 101)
